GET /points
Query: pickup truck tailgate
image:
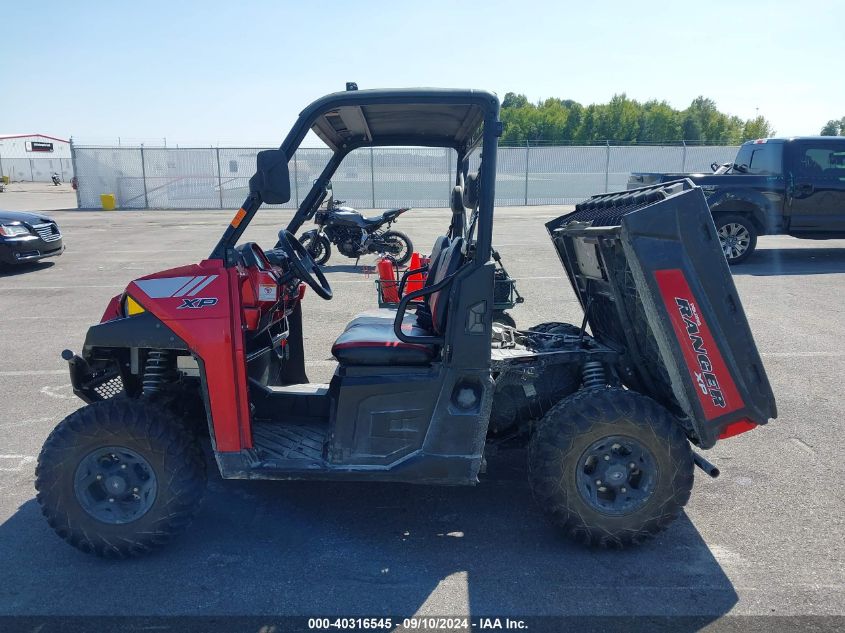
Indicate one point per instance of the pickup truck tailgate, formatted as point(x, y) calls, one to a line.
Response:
point(648, 270)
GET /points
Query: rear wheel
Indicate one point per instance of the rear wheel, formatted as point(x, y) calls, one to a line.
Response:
point(737, 235)
point(553, 327)
point(120, 478)
point(504, 318)
point(610, 467)
point(398, 246)
point(318, 246)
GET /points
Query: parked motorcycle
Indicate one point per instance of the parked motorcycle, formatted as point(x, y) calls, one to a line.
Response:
point(354, 235)
point(56, 180)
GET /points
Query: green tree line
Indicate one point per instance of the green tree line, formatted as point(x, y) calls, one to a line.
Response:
point(624, 120)
point(834, 127)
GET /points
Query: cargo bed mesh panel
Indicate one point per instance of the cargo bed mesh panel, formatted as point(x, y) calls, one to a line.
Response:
point(608, 209)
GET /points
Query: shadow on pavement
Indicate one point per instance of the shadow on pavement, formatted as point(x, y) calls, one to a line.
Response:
point(793, 261)
point(321, 549)
point(22, 269)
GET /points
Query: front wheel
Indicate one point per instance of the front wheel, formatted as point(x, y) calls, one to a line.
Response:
point(738, 237)
point(398, 247)
point(120, 478)
point(318, 246)
point(610, 467)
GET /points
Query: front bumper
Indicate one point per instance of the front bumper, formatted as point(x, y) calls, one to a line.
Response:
point(28, 248)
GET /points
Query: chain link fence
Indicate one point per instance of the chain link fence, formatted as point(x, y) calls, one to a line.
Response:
point(35, 169)
point(372, 178)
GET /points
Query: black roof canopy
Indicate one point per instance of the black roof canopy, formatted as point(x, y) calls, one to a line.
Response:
point(416, 116)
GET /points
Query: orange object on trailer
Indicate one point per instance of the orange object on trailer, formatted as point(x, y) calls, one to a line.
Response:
point(415, 281)
point(387, 277)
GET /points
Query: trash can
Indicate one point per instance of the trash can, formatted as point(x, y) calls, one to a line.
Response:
point(108, 201)
point(4, 180)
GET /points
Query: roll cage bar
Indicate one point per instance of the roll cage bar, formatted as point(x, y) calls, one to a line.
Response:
point(491, 128)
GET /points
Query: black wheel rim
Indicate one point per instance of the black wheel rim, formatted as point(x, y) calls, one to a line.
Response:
point(616, 475)
point(314, 248)
point(115, 485)
point(397, 247)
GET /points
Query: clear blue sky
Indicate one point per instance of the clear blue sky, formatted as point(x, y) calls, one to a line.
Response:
point(216, 72)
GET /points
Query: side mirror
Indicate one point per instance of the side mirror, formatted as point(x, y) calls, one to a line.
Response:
point(272, 179)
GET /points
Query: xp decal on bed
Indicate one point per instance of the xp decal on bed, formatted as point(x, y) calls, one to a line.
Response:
point(423, 391)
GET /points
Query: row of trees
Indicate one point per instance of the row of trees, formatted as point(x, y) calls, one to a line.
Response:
point(834, 127)
point(624, 120)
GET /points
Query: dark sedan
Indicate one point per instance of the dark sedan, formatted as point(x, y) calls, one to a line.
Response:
point(28, 237)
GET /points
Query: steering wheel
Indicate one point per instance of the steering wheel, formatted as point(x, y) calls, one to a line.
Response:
point(304, 265)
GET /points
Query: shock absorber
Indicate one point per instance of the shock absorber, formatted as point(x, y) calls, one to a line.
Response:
point(592, 375)
point(158, 370)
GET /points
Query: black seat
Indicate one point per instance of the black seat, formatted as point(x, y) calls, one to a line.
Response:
point(376, 344)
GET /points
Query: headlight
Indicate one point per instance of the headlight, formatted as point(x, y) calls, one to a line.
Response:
point(131, 307)
point(12, 230)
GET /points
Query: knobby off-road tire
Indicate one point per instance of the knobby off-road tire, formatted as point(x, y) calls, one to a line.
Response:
point(132, 445)
point(404, 256)
point(185, 403)
point(554, 327)
point(574, 437)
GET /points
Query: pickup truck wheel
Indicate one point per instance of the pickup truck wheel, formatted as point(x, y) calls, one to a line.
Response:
point(120, 478)
point(610, 467)
point(738, 237)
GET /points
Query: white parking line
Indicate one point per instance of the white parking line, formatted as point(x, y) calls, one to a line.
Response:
point(35, 372)
point(14, 463)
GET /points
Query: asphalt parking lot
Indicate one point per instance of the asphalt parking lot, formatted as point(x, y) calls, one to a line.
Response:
point(765, 539)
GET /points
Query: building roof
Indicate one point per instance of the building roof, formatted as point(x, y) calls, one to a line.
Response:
point(61, 140)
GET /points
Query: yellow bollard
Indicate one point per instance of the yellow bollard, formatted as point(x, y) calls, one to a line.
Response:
point(108, 201)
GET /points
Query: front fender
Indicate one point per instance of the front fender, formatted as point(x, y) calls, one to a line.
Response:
point(142, 330)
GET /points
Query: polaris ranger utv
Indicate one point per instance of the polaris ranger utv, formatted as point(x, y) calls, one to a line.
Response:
point(663, 359)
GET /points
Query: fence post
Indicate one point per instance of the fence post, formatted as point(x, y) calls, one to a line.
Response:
point(526, 170)
point(219, 176)
point(296, 180)
point(73, 166)
point(607, 166)
point(372, 178)
point(31, 175)
point(448, 175)
point(144, 178)
point(684, 159)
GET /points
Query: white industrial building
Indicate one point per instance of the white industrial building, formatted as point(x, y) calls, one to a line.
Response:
point(34, 157)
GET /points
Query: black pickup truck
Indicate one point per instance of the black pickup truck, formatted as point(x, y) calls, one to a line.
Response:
point(776, 186)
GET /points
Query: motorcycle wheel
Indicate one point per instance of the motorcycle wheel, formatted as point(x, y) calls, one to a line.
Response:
point(318, 247)
point(400, 247)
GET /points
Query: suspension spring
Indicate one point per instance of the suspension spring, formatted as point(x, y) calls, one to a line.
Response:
point(158, 370)
point(592, 375)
